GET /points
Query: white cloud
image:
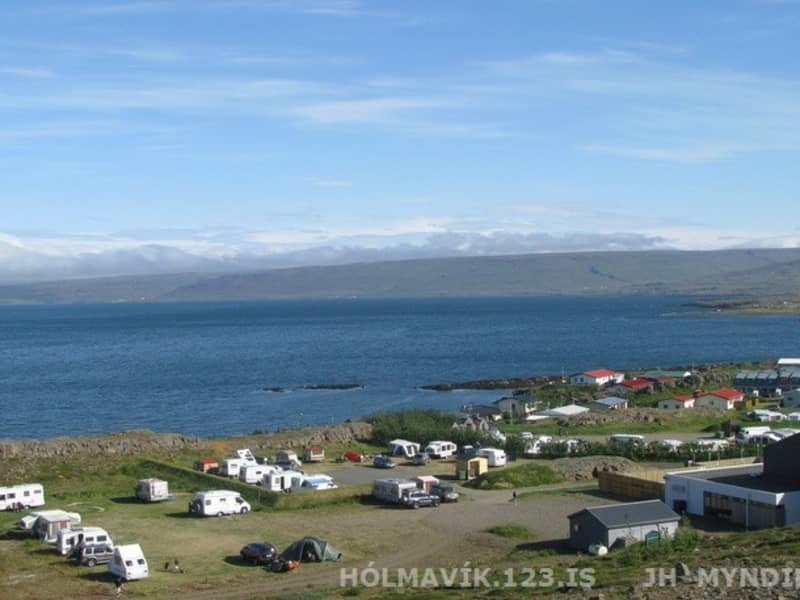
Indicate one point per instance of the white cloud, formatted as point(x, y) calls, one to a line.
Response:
point(26, 72)
point(329, 182)
point(372, 110)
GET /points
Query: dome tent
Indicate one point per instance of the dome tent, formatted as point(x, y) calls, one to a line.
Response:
point(310, 549)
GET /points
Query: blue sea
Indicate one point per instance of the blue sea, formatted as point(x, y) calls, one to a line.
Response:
point(201, 368)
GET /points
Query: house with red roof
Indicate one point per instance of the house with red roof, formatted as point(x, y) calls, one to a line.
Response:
point(680, 401)
point(724, 398)
point(596, 377)
point(633, 386)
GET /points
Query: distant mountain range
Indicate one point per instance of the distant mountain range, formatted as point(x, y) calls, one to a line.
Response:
point(713, 273)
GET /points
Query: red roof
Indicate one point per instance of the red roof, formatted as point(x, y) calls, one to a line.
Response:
point(207, 461)
point(683, 398)
point(637, 383)
point(597, 373)
point(728, 394)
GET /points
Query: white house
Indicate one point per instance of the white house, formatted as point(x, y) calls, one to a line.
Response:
point(724, 398)
point(514, 405)
point(597, 377)
point(676, 402)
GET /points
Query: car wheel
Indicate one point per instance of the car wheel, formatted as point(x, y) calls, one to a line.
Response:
point(244, 510)
point(436, 503)
point(416, 505)
point(255, 560)
point(91, 563)
point(220, 514)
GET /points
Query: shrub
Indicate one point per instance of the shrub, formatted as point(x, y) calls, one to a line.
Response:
point(511, 530)
point(421, 425)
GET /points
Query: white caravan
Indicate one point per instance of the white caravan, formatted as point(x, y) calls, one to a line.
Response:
point(129, 563)
point(403, 448)
point(626, 438)
point(494, 456)
point(68, 539)
point(313, 483)
point(533, 445)
point(246, 456)
point(218, 503)
point(152, 490)
point(440, 449)
point(50, 522)
point(19, 497)
point(392, 490)
point(256, 473)
point(231, 467)
point(280, 481)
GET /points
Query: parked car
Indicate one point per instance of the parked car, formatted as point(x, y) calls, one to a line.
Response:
point(383, 462)
point(259, 553)
point(419, 498)
point(421, 458)
point(94, 554)
point(445, 492)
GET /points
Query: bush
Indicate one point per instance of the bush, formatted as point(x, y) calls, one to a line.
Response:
point(421, 426)
point(511, 530)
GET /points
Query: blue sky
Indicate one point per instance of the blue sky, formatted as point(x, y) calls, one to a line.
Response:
point(164, 135)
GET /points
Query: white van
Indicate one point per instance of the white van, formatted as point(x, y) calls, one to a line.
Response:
point(218, 503)
point(494, 456)
point(21, 497)
point(626, 438)
point(256, 473)
point(440, 449)
point(392, 490)
point(745, 434)
point(403, 448)
point(129, 563)
point(152, 490)
point(68, 539)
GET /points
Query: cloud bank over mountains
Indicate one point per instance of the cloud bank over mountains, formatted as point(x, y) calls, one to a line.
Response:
point(28, 258)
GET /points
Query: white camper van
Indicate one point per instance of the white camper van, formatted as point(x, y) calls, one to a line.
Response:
point(50, 522)
point(152, 490)
point(256, 473)
point(21, 497)
point(68, 539)
point(494, 456)
point(439, 449)
point(218, 503)
point(745, 434)
point(313, 483)
point(129, 563)
point(403, 448)
point(392, 490)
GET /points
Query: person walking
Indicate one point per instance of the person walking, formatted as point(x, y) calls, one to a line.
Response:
point(514, 497)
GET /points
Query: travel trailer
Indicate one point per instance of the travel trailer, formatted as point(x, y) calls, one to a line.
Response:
point(129, 563)
point(231, 467)
point(218, 503)
point(495, 457)
point(313, 454)
point(440, 449)
point(315, 483)
point(626, 438)
point(50, 522)
point(403, 448)
point(280, 481)
point(246, 456)
point(21, 497)
point(256, 473)
point(288, 458)
point(68, 539)
point(392, 490)
point(152, 490)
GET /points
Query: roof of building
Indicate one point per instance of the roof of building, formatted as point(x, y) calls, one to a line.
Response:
point(599, 373)
point(789, 361)
point(727, 394)
point(748, 476)
point(611, 401)
point(631, 514)
point(636, 383)
point(568, 410)
point(682, 398)
point(769, 375)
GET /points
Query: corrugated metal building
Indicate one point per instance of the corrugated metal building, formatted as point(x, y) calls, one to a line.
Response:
point(767, 381)
point(612, 523)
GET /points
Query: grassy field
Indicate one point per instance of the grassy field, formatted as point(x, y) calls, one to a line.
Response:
point(528, 475)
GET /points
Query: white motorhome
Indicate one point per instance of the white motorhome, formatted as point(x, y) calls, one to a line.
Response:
point(129, 563)
point(494, 456)
point(152, 490)
point(218, 503)
point(392, 490)
point(50, 522)
point(21, 497)
point(256, 473)
point(280, 481)
point(68, 539)
point(231, 467)
point(439, 449)
point(746, 433)
point(403, 448)
point(315, 483)
point(626, 438)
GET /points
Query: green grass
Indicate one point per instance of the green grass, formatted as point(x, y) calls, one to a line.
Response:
point(511, 530)
point(529, 475)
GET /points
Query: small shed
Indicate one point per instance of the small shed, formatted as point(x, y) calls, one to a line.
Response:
point(206, 465)
point(313, 453)
point(649, 520)
point(425, 482)
point(470, 467)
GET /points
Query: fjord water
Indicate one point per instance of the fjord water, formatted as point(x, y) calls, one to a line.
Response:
point(202, 368)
